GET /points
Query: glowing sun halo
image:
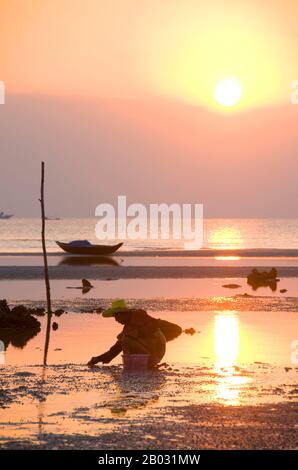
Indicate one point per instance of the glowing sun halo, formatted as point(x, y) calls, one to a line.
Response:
point(228, 92)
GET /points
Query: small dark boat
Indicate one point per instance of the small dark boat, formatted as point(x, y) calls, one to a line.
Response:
point(84, 247)
point(5, 216)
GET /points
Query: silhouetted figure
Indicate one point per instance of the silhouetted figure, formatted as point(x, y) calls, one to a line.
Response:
point(141, 334)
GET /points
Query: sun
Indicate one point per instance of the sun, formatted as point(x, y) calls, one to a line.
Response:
point(228, 92)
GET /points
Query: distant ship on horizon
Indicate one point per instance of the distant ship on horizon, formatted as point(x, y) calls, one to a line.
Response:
point(5, 216)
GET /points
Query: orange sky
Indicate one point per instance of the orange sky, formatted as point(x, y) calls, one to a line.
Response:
point(72, 67)
point(173, 48)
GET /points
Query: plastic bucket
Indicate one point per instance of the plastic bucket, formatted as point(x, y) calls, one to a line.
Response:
point(135, 361)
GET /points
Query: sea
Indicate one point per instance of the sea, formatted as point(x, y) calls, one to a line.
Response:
point(22, 235)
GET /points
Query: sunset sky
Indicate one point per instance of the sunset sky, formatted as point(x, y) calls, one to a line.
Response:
point(118, 97)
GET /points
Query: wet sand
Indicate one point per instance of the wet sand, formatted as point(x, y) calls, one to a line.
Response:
point(159, 264)
point(201, 291)
point(233, 390)
point(87, 304)
point(222, 394)
point(185, 407)
point(136, 272)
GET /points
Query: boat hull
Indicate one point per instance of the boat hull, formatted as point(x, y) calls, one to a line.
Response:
point(94, 250)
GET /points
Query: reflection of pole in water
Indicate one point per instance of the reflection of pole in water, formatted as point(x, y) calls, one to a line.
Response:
point(2, 353)
point(41, 404)
point(46, 270)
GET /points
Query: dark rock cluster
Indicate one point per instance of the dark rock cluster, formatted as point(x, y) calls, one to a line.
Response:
point(19, 316)
point(258, 279)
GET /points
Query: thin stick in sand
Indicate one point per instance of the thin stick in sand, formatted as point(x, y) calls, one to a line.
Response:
point(46, 270)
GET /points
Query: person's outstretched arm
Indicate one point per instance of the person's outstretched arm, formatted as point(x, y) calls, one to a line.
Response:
point(107, 356)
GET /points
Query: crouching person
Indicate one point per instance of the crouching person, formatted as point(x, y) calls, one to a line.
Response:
point(141, 334)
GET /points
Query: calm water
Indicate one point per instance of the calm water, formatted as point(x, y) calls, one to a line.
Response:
point(256, 335)
point(23, 235)
point(241, 352)
point(225, 338)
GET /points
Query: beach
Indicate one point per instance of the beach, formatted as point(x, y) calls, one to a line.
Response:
point(232, 384)
point(229, 381)
point(190, 407)
point(148, 232)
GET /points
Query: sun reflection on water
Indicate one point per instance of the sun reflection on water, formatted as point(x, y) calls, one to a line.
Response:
point(226, 339)
point(225, 237)
point(226, 348)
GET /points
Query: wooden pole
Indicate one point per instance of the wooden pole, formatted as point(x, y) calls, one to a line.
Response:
point(46, 270)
